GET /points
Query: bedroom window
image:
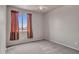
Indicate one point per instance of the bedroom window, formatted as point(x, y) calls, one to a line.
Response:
point(21, 25)
point(22, 17)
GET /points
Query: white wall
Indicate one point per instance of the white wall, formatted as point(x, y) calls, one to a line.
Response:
point(2, 29)
point(62, 26)
point(36, 26)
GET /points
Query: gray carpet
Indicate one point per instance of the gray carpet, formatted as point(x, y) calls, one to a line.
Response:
point(40, 47)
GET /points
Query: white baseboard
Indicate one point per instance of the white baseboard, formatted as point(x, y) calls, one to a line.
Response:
point(64, 45)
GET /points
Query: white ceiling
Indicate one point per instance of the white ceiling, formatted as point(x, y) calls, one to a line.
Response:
point(38, 8)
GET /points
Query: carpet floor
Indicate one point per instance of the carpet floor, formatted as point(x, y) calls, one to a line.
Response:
point(40, 47)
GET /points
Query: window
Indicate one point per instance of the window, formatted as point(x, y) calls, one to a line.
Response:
point(22, 18)
point(21, 25)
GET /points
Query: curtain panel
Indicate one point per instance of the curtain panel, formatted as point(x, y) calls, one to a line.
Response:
point(29, 26)
point(14, 34)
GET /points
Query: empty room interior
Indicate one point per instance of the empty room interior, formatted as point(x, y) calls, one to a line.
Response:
point(39, 29)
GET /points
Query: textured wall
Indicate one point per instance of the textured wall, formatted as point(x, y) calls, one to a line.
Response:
point(62, 26)
point(2, 29)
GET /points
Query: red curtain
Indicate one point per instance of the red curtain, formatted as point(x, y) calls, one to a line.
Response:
point(29, 26)
point(14, 34)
